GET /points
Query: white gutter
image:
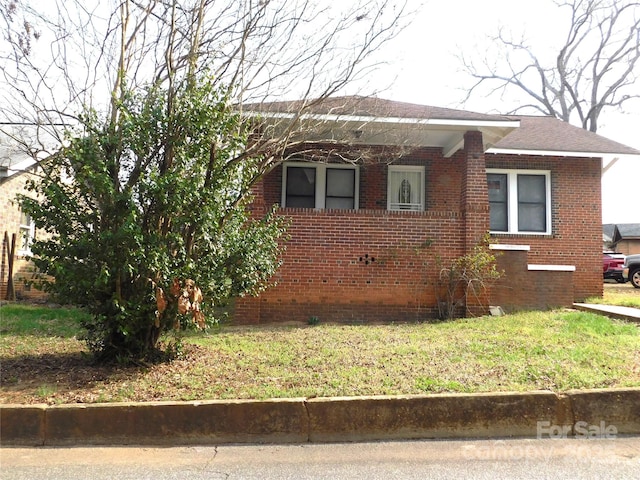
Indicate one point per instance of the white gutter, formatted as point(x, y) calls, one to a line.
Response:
point(558, 153)
point(397, 120)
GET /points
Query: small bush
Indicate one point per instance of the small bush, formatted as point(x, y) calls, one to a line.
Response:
point(467, 278)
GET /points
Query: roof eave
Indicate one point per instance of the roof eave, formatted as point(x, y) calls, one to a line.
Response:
point(20, 167)
point(394, 120)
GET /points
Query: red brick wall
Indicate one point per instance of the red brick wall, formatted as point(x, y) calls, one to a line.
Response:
point(524, 289)
point(23, 269)
point(327, 269)
point(369, 265)
point(325, 273)
point(475, 197)
point(576, 236)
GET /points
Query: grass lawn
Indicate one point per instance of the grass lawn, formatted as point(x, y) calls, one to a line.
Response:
point(615, 294)
point(43, 362)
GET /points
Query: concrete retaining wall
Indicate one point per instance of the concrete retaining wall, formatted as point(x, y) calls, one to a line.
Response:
point(300, 420)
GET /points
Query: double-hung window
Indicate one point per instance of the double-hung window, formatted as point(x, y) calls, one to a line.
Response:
point(405, 188)
point(519, 201)
point(309, 185)
point(27, 233)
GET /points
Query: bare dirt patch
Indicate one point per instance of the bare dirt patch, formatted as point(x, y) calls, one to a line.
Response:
point(621, 288)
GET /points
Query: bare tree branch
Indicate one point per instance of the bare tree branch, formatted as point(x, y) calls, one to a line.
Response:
point(73, 55)
point(595, 69)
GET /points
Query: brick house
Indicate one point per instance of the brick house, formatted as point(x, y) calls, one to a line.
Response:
point(379, 194)
point(626, 238)
point(17, 167)
point(16, 228)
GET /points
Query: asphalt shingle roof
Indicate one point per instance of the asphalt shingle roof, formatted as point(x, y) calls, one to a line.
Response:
point(536, 133)
point(628, 230)
point(549, 133)
point(372, 107)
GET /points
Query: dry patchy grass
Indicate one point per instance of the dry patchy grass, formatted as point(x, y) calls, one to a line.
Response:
point(555, 350)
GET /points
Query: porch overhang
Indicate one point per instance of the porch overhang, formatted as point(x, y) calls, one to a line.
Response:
point(445, 134)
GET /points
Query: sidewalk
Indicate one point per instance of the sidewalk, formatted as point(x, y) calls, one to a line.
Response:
point(623, 313)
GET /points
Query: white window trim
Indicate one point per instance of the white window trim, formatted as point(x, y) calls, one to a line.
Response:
point(30, 228)
point(321, 181)
point(405, 168)
point(512, 199)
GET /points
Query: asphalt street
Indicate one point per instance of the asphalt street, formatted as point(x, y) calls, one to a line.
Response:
point(584, 458)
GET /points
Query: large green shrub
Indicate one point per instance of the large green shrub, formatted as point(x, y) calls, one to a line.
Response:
point(139, 203)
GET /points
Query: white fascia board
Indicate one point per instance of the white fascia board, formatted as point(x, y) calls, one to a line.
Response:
point(559, 153)
point(396, 120)
point(21, 166)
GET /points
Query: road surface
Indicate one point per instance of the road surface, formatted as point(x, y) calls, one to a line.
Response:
point(583, 458)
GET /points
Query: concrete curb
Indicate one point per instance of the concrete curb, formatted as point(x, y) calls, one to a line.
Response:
point(300, 420)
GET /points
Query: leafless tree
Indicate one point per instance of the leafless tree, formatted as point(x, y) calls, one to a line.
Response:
point(64, 56)
point(595, 68)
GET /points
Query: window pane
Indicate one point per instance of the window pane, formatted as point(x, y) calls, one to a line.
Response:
point(498, 194)
point(405, 190)
point(532, 203)
point(24, 218)
point(340, 182)
point(338, 202)
point(532, 217)
point(498, 219)
point(340, 188)
point(301, 187)
point(25, 239)
point(497, 183)
point(531, 188)
point(301, 181)
point(301, 202)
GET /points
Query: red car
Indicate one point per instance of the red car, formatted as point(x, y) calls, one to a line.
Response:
point(612, 266)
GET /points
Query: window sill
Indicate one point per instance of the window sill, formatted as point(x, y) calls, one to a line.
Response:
point(551, 268)
point(505, 247)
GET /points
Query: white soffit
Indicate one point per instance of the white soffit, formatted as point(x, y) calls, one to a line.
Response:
point(418, 132)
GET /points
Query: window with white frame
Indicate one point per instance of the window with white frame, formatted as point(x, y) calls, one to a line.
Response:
point(405, 187)
point(519, 201)
point(310, 185)
point(27, 233)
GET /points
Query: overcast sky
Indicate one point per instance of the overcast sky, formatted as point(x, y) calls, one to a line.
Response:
point(424, 69)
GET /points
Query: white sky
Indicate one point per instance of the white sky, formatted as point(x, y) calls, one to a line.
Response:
point(426, 71)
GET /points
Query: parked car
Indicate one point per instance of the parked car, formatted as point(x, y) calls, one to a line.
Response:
point(612, 266)
point(631, 269)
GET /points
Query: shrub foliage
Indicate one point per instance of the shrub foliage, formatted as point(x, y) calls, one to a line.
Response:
point(146, 217)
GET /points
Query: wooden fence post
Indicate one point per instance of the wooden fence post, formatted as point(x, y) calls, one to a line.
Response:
point(11, 255)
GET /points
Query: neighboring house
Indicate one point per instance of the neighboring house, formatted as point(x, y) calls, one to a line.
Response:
point(15, 226)
point(607, 236)
point(16, 168)
point(381, 194)
point(626, 238)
